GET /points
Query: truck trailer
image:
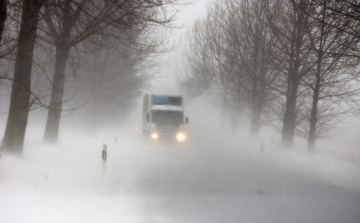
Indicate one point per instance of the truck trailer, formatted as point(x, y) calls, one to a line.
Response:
point(163, 117)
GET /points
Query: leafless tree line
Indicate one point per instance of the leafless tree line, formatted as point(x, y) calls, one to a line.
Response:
point(295, 62)
point(108, 45)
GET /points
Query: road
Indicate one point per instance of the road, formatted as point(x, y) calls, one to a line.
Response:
point(207, 182)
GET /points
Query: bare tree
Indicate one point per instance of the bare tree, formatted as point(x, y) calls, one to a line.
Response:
point(114, 76)
point(3, 15)
point(9, 15)
point(234, 48)
point(68, 23)
point(291, 58)
point(289, 23)
point(250, 45)
point(349, 10)
point(334, 69)
point(8, 56)
point(196, 74)
point(20, 94)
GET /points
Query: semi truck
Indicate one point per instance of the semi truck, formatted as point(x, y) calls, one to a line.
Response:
point(163, 118)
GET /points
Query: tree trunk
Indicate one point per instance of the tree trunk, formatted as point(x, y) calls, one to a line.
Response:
point(93, 124)
point(255, 124)
point(3, 15)
point(20, 92)
point(260, 97)
point(313, 118)
point(255, 115)
point(314, 109)
point(293, 76)
point(53, 119)
point(288, 131)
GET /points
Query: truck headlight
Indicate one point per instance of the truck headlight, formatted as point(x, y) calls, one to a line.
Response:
point(180, 137)
point(154, 136)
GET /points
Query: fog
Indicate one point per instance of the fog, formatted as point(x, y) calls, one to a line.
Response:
point(217, 175)
point(220, 173)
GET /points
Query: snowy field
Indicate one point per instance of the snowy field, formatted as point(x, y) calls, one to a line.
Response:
point(66, 183)
point(70, 183)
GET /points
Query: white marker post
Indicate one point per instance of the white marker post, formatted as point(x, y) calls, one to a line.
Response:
point(104, 157)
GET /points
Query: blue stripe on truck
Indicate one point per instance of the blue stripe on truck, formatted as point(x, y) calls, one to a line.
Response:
point(160, 99)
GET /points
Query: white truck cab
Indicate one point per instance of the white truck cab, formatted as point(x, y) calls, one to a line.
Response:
point(163, 117)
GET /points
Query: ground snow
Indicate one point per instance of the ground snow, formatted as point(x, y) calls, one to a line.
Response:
point(63, 183)
point(68, 182)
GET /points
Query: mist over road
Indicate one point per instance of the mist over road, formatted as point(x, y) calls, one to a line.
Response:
point(206, 181)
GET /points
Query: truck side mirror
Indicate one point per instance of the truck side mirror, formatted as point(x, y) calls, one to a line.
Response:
point(186, 120)
point(147, 117)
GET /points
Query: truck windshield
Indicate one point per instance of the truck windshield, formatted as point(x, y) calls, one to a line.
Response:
point(167, 117)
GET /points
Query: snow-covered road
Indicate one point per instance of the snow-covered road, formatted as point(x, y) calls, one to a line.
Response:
point(217, 184)
point(203, 181)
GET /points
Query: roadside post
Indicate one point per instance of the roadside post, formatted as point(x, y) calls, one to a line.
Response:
point(104, 157)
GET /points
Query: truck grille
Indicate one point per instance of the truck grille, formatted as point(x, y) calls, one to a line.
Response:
point(167, 132)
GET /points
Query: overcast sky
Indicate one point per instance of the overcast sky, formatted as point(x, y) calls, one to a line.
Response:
point(190, 13)
point(186, 17)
